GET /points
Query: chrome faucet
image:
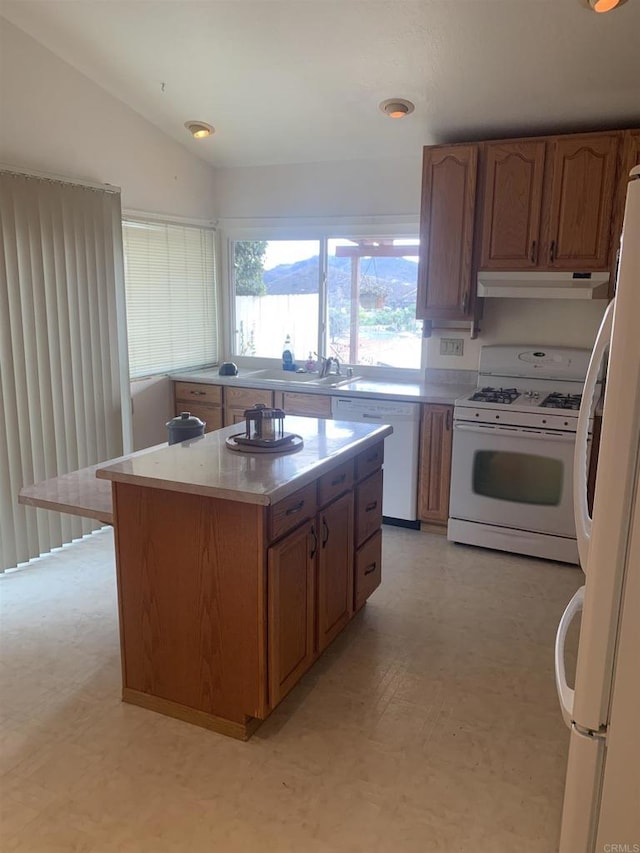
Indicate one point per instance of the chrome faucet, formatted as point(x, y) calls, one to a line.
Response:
point(327, 363)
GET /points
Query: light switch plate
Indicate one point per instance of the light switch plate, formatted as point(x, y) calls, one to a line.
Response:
point(451, 346)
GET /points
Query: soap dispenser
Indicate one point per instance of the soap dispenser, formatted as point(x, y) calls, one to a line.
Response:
point(287, 355)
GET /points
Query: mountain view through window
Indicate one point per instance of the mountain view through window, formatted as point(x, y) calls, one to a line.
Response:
point(370, 295)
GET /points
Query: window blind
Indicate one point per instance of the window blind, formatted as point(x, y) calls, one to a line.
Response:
point(61, 397)
point(171, 296)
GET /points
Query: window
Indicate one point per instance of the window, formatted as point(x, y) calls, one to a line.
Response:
point(363, 310)
point(171, 296)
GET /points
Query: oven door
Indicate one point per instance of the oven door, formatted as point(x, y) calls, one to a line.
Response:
point(513, 477)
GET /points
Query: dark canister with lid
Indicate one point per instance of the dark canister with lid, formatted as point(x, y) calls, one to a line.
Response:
point(184, 426)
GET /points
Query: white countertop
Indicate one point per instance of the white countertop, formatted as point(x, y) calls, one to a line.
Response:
point(206, 466)
point(419, 391)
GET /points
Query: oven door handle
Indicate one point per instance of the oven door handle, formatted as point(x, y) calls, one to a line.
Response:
point(566, 437)
point(580, 464)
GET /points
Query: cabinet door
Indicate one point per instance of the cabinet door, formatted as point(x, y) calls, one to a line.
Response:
point(238, 400)
point(446, 232)
point(513, 178)
point(434, 476)
point(335, 569)
point(309, 405)
point(211, 415)
point(583, 183)
point(291, 596)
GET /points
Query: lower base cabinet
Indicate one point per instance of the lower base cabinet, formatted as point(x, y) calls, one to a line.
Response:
point(291, 611)
point(368, 573)
point(335, 569)
point(434, 471)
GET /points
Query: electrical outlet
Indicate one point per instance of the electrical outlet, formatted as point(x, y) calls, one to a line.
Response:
point(451, 346)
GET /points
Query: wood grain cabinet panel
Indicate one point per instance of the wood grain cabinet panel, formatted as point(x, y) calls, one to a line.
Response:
point(202, 400)
point(582, 192)
point(307, 405)
point(238, 400)
point(629, 157)
point(368, 507)
point(291, 511)
point(335, 569)
point(333, 484)
point(434, 474)
point(511, 218)
point(291, 595)
point(446, 232)
point(368, 574)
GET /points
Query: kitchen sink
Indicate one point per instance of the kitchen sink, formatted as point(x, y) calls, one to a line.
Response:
point(333, 380)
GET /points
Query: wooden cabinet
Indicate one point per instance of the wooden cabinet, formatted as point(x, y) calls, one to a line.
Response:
point(434, 473)
point(368, 574)
point(629, 157)
point(511, 215)
point(446, 232)
point(309, 405)
point(238, 400)
point(368, 507)
point(548, 202)
point(291, 610)
point(335, 569)
point(582, 191)
point(202, 400)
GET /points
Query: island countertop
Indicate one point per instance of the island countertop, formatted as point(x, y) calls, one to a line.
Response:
point(206, 466)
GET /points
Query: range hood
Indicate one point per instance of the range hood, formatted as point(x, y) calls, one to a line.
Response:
point(544, 285)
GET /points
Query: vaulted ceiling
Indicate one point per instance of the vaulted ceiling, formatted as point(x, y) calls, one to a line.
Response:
point(294, 81)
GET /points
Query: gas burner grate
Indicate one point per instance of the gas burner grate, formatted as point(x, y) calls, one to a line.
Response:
point(561, 401)
point(495, 395)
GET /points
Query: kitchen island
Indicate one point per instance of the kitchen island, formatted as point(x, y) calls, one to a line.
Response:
point(236, 570)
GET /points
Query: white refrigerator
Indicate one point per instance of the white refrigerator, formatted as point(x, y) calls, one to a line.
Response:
point(601, 809)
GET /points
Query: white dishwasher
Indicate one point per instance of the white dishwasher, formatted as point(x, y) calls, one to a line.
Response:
point(400, 489)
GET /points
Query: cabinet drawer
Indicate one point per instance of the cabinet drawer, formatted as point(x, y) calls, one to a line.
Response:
point(198, 391)
point(290, 512)
point(334, 483)
point(211, 415)
point(247, 398)
point(312, 405)
point(368, 568)
point(369, 461)
point(368, 507)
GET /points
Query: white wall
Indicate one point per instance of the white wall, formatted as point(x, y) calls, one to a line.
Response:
point(354, 188)
point(54, 119)
point(543, 322)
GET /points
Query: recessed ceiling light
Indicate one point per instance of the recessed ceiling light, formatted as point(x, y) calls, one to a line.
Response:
point(603, 5)
point(396, 107)
point(199, 129)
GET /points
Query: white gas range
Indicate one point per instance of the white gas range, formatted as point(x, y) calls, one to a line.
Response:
point(513, 448)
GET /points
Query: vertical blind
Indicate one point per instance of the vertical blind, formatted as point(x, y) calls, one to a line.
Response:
point(171, 293)
point(60, 389)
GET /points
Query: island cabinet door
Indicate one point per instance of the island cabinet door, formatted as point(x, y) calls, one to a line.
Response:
point(291, 604)
point(335, 569)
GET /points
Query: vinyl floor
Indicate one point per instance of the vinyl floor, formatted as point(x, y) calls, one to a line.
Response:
point(431, 724)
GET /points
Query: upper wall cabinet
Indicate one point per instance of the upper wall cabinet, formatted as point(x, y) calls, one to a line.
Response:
point(446, 232)
point(582, 190)
point(548, 202)
point(511, 216)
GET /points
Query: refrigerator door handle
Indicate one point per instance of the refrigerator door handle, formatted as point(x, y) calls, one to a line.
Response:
point(580, 505)
point(565, 693)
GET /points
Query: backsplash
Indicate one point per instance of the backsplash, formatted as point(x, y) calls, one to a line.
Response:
point(570, 323)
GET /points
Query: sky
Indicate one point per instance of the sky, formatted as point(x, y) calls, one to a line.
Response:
point(290, 251)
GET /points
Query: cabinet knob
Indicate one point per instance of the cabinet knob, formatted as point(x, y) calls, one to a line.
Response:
point(325, 532)
point(552, 251)
point(465, 302)
point(371, 568)
point(532, 256)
